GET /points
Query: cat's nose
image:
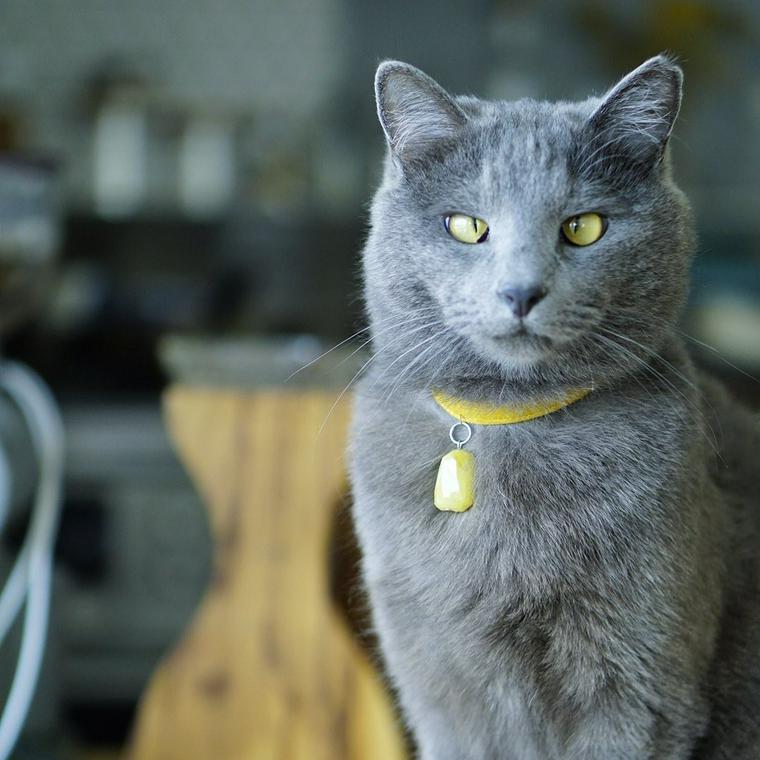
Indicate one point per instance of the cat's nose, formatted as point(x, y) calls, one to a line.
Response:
point(522, 300)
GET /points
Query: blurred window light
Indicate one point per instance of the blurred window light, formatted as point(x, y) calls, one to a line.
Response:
point(731, 324)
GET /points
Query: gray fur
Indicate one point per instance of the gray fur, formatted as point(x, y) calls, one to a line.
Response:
point(600, 600)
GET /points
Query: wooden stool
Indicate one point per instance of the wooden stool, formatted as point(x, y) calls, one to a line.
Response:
point(268, 670)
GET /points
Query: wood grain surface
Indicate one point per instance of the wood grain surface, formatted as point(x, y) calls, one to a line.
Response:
point(268, 670)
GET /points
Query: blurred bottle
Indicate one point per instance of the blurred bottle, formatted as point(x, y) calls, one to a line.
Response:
point(119, 147)
point(207, 164)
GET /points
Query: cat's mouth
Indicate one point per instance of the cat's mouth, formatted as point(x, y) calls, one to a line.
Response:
point(516, 345)
point(521, 344)
point(522, 335)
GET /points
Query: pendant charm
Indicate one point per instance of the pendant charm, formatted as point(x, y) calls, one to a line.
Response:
point(455, 484)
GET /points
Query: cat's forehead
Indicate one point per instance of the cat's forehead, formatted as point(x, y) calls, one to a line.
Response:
point(528, 129)
point(514, 149)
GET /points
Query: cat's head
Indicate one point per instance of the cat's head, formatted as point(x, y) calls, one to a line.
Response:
point(538, 244)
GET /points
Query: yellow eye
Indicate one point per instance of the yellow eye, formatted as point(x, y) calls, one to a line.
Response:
point(584, 229)
point(466, 229)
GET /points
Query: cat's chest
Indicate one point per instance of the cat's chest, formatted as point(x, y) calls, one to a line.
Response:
point(548, 494)
point(537, 466)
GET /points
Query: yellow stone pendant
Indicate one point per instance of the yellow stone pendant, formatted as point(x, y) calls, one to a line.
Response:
point(455, 484)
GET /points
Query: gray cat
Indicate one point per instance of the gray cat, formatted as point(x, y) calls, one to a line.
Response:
point(600, 598)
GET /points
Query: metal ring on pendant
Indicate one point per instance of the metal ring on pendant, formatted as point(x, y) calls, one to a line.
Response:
point(460, 433)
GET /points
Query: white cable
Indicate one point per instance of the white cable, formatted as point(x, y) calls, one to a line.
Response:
point(32, 572)
point(6, 487)
point(14, 593)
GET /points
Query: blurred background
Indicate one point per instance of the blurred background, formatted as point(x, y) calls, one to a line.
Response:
point(182, 179)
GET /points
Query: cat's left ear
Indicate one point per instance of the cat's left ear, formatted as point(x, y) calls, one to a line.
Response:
point(632, 125)
point(414, 110)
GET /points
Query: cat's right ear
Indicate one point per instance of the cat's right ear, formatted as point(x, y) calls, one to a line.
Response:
point(414, 110)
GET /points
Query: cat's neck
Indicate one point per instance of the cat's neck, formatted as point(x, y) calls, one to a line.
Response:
point(666, 365)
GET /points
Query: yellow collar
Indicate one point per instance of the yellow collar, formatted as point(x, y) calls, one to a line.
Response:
point(486, 414)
